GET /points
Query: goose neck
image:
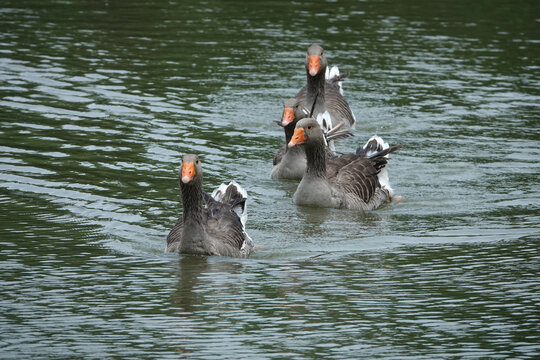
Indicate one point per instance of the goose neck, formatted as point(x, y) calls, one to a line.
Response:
point(316, 159)
point(289, 131)
point(192, 197)
point(315, 90)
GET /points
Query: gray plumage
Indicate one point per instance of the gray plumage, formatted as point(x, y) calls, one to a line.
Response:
point(290, 163)
point(325, 95)
point(215, 229)
point(349, 181)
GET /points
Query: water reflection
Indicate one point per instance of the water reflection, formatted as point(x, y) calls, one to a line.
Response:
point(196, 273)
point(433, 293)
point(189, 271)
point(312, 219)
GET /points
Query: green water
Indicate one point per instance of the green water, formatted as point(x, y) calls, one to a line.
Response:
point(100, 99)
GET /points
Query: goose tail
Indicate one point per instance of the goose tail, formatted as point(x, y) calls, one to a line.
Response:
point(374, 145)
point(235, 196)
point(333, 76)
point(377, 150)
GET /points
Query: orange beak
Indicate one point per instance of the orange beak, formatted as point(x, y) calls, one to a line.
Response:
point(297, 138)
point(314, 65)
point(188, 172)
point(288, 116)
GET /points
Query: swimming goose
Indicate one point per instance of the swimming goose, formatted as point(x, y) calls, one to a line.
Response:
point(349, 181)
point(333, 85)
point(290, 162)
point(218, 228)
point(323, 91)
point(295, 109)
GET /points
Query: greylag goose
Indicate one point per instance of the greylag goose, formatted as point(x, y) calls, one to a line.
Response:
point(290, 162)
point(294, 108)
point(350, 181)
point(323, 91)
point(218, 228)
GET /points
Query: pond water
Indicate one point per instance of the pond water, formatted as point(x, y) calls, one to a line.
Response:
point(100, 99)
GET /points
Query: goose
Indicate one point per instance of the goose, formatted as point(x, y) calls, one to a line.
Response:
point(350, 181)
point(290, 162)
point(218, 228)
point(294, 109)
point(323, 91)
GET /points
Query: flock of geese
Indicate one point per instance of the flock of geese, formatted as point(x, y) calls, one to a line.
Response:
point(312, 120)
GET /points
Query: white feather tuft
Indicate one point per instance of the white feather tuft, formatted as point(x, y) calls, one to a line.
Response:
point(248, 242)
point(222, 189)
point(239, 188)
point(381, 145)
point(384, 180)
point(219, 192)
point(325, 122)
point(333, 72)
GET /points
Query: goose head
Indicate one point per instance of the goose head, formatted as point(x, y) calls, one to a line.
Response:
point(292, 111)
point(308, 132)
point(315, 61)
point(191, 169)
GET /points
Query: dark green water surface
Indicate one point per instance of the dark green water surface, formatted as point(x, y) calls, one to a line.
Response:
point(100, 99)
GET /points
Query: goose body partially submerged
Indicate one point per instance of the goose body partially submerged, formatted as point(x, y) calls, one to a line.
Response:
point(323, 91)
point(350, 181)
point(216, 229)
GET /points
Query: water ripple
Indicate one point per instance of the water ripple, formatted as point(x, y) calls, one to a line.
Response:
point(100, 101)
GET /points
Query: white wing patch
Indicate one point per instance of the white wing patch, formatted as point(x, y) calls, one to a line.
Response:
point(384, 180)
point(381, 145)
point(325, 122)
point(333, 72)
point(239, 210)
point(219, 192)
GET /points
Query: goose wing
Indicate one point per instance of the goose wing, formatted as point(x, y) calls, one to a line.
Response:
point(359, 178)
point(335, 163)
point(225, 219)
point(336, 104)
point(175, 237)
point(222, 224)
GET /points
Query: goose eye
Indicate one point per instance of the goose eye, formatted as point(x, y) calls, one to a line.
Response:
point(197, 161)
point(309, 127)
